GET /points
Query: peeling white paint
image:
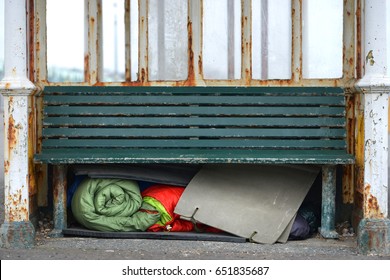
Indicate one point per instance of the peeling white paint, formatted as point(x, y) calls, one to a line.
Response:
point(375, 86)
point(16, 89)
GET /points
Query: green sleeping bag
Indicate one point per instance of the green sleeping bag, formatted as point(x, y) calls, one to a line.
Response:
point(112, 205)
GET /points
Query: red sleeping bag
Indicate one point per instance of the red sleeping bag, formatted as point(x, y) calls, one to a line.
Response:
point(165, 198)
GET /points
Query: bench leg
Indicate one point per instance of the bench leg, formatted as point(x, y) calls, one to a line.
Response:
point(328, 202)
point(59, 198)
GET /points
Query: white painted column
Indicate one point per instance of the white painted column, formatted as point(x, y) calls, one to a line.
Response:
point(374, 229)
point(375, 86)
point(17, 230)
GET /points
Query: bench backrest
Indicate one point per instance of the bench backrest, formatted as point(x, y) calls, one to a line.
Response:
point(194, 117)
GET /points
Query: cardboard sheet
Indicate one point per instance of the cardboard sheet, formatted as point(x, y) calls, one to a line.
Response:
point(257, 202)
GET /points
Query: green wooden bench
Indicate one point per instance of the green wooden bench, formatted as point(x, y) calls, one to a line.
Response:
point(246, 125)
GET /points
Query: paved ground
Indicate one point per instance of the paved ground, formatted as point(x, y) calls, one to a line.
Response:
point(125, 249)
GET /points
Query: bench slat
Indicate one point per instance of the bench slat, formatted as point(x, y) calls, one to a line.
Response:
point(196, 143)
point(195, 121)
point(196, 90)
point(192, 110)
point(194, 132)
point(69, 156)
point(193, 100)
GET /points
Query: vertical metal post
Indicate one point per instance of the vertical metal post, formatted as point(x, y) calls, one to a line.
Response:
point(246, 34)
point(264, 40)
point(374, 229)
point(230, 43)
point(40, 77)
point(161, 40)
point(127, 41)
point(195, 37)
point(115, 41)
point(93, 41)
point(143, 41)
point(17, 230)
point(349, 36)
point(296, 63)
point(328, 213)
point(59, 198)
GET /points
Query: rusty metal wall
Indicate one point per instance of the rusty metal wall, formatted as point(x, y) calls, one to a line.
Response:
point(93, 48)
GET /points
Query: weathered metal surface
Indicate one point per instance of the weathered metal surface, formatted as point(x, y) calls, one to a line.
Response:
point(231, 38)
point(38, 74)
point(33, 187)
point(16, 89)
point(16, 173)
point(296, 59)
point(93, 43)
point(358, 42)
point(127, 42)
point(375, 87)
point(349, 36)
point(143, 42)
point(348, 181)
point(328, 202)
point(246, 41)
point(195, 67)
point(374, 237)
point(59, 199)
point(17, 235)
point(17, 230)
point(359, 164)
point(375, 155)
point(38, 49)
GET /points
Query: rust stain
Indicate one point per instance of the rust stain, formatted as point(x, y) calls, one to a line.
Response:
point(191, 72)
point(31, 144)
point(143, 77)
point(247, 76)
point(33, 203)
point(348, 191)
point(86, 68)
point(13, 134)
point(348, 185)
point(16, 208)
point(371, 209)
point(59, 184)
point(200, 65)
point(7, 85)
point(359, 199)
point(6, 166)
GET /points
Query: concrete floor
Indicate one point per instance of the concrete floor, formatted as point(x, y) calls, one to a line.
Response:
point(92, 248)
point(132, 249)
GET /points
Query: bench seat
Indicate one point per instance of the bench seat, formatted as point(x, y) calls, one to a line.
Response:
point(195, 125)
